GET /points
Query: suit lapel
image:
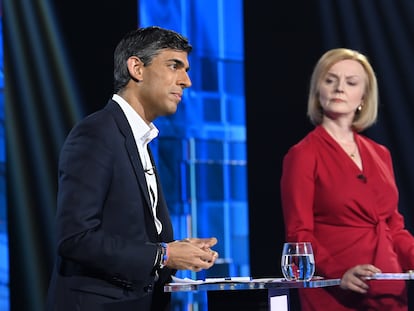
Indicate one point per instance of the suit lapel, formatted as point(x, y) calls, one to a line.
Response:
point(131, 147)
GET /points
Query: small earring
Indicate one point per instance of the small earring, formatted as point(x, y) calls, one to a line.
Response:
point(359, 108)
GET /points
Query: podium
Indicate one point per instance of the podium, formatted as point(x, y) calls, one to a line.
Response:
point(235, 294)
point(251, 295)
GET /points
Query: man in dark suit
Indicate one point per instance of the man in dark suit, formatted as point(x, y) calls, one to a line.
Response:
point(115, 244)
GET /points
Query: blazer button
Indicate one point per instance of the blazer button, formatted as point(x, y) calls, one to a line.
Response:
point(148, 288)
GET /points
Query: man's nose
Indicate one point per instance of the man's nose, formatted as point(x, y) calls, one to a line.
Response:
point(185, 80)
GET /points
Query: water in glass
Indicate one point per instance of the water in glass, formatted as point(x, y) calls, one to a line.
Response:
point(298, 263)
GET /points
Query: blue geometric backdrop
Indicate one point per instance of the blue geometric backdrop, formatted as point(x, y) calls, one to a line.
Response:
point(201, 150)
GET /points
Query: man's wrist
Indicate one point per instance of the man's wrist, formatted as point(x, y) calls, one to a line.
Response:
point(162, 255)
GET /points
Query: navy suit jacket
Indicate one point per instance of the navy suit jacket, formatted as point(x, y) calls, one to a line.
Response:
point(106, 236)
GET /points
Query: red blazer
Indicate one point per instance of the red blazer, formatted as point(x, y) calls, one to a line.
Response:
point(350, 216)
point(105, 228)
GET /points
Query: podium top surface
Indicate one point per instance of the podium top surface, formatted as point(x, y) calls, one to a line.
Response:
point(246, 283)
point(239, 284)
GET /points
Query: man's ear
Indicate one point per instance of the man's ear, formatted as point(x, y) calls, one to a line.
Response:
point(135, 66)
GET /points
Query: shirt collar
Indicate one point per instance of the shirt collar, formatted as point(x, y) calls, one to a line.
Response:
point(143, 133)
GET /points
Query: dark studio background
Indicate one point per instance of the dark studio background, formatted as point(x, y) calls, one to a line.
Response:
point(282, 46)
point(282, 43)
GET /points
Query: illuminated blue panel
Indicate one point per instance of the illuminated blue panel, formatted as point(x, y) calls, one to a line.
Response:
point(4, 257)
point(201, 151)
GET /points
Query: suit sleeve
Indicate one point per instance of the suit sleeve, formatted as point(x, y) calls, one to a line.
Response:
point(97, 227)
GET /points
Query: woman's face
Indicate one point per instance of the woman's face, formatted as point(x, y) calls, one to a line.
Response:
point(341, 91)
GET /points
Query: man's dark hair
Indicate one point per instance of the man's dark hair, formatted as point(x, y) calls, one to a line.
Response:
point(145, 43)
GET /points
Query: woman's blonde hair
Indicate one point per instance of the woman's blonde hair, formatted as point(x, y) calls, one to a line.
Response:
point(366, 115)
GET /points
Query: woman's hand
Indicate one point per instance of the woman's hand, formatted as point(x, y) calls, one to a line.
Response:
point(354, 278)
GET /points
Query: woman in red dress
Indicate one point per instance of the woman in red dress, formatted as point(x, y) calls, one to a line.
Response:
point(339, 193)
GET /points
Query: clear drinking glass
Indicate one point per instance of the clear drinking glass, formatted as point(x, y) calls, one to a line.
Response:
point(298, 263)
